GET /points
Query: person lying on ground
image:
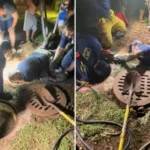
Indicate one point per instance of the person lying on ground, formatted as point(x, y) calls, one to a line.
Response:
point(8, 21)
point(67, 62)
point(32, 67)
point(30, 21)
point(137, 50)
point(5, 50)
point(91, 64)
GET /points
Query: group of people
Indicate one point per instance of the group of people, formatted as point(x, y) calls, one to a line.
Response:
point(96, 24)
point(39, 62)
point(9, 19)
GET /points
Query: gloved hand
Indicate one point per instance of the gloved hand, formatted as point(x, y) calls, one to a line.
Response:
point(107, 56)
point(119, 60)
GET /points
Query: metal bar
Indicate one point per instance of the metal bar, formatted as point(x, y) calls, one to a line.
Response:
point(42, 18)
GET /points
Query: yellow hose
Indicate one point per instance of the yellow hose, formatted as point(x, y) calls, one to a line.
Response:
point(122, 137)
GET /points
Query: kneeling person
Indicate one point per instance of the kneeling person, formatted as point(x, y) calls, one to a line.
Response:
point(90, 64)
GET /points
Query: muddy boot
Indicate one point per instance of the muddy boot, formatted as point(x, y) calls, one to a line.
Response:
point(119, 35)
point(141, 16)
point(5, 96)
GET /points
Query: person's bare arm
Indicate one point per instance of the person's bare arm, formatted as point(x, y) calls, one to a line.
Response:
point(134, 56)
point(15, 17)
point(59, 53)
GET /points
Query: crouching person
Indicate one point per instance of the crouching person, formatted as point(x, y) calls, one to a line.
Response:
point(31, 68)
point(5, 49)
point(90, 60)
point(67, 61)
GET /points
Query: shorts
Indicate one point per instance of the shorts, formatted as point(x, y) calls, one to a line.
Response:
point(5, 24)
point(30, 22)
point(61, 23)
point(67, 60)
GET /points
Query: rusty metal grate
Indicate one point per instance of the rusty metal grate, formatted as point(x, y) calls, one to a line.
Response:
point(51, 93)
point(138, 99)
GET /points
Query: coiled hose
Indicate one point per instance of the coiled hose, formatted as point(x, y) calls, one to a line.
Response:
point(56, 145)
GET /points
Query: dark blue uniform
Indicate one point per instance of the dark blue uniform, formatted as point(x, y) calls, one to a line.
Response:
point(69, 57)
point(89, 50)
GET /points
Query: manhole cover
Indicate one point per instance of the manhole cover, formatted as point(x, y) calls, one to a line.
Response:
point(49, 92)
point(8, 118)
point(138, 99)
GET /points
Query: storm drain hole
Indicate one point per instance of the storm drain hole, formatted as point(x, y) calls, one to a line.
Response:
point(120, 85)
point(36, 105)
point(47, 108)
point(121, 82)
point(138, 99)
point(40, 108)
point(143, 95)
point(33, 103)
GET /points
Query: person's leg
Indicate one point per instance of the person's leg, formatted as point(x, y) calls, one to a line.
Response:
point(12, 37)
point(118, 25)
point(34, 27)
point(11, 32)
point(27, 35)
point(104, 29)
point(141, 16)
point(27, 24)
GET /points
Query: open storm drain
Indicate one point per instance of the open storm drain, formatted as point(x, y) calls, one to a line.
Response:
point(8, 118)
point(40, 96)
point(138, 99)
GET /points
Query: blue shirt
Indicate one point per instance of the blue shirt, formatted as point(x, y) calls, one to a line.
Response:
point(63, 14)
point(145, 49)
point(64, 41)
point(33, 66)
point(89, 47)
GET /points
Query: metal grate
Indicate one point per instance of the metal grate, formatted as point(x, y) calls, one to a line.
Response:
point(138, 99)
point(51, 93)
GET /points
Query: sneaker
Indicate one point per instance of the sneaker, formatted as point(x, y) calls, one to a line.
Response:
point(141, 21)
point(119, 35)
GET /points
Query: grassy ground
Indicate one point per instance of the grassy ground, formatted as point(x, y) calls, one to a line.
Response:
point(42, 136)
point(103, 106)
